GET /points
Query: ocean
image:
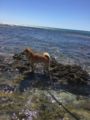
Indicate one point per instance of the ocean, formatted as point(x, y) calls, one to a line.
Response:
point(67, 46)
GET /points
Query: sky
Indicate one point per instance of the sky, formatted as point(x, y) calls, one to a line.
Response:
point(69, 14)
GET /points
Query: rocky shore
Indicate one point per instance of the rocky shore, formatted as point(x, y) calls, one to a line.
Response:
point(24, 95)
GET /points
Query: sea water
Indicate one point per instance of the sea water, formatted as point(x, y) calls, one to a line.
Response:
point(67, 46)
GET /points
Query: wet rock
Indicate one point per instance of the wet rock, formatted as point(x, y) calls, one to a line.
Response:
point(72, 74)
point(24, 115)
point(6, 88)
point(70, 78)
point(4, 100)
point(22, 68)
point(59, 73)
point(17, 56)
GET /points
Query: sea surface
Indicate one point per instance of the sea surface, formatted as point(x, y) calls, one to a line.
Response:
point(67, 46)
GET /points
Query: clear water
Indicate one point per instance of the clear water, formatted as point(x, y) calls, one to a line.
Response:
point(68, 46)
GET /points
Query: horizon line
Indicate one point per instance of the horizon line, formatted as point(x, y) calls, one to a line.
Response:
point(43, 27)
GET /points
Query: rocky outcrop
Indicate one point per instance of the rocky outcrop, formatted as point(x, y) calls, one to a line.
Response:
point(26, 96)
point(70, 74)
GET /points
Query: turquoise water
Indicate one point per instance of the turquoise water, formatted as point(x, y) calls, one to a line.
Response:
point(68, 46)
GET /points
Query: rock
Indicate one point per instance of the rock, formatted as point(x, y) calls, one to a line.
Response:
point(59, 73)
point(5, 88)
point(71, 79)
point(73, 74)
point(24, 115)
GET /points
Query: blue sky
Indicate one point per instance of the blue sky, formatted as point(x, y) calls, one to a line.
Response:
point(70, 14)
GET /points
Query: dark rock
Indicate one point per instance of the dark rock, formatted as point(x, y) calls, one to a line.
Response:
point(72, 74)
point(22, 68)
point(5, 88)
point(17, 56)
point(24, 115)
point(59, 73)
